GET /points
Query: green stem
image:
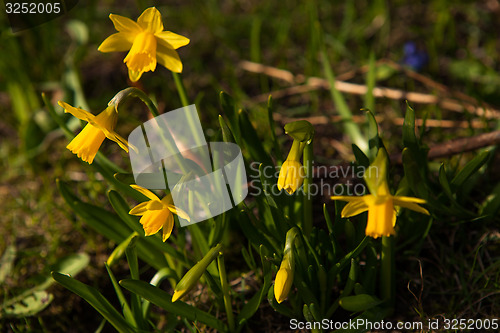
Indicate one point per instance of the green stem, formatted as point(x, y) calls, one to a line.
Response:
point(134, 92)
point(180, 89)
point(225, 291)
point(308, 217)
point(166, 136)
point(387, 286)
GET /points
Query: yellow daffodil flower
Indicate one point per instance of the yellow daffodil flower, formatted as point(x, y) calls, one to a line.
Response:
point(86, 144)
point(380, 203)
point(147, 42)
point(156, 213)
point(292, 173)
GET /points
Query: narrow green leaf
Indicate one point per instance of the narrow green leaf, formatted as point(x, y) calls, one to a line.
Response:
point(96, 299)
point(443, 180)
point(133, 264)
point(227, 136)
point(359, 303)
point(272, 129)
point(469, 169)
point(409, 137)
point(374, 142)
point(351, 279)
point(370, 83)
point(127, 313)
point(229, 109)
point(252, 142)
point(164, 300)
point(7, 261)
point(350, 127)
point(281, 308)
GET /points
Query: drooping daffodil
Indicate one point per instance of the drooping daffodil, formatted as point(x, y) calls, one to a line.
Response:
point(157, 214)
point(380, 202)
point(292, 172)
point(146, 42)
point(86, 144)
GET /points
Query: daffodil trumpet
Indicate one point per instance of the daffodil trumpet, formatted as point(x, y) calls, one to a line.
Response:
point(146, 42)
point(87, 143)
point(292, 172)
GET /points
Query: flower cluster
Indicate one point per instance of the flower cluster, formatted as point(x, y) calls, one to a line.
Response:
point(148, 44)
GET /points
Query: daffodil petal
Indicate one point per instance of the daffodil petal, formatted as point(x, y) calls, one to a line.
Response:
point(179, 212)
point(140, 209)
point(155, 205)
point(171, 40)
point(124, 24)
point(410, 199)
point(410, 203)
point(354, 208)
point(77, 112)
point(168, 227)
point(150, 20)
point(145, 192)
point(112, 135)
point(119, 42)
point(168, 58)
point(345, 198)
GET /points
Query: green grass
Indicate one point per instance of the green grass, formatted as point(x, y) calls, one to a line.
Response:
point(459, 258)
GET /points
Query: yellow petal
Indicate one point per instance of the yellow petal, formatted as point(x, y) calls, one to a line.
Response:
point(171, 40)
point(179, 212)
point(152, 221)
point(119, 42)
point(87, 143)
point(145, 192)
point(410, 203)
point(344, 198)
point(355, 207)
point(168, 58)
point(282, 284)
point(124, 24)
point(77, 112)
point(140, 209)
point(112, 135)
point(168, 227)
point(150, 20)
point(155, 205)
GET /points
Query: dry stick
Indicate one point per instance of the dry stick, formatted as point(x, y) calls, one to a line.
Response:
point(449, 148)
point(325, 120)
point(314, 83)
point(458, 146)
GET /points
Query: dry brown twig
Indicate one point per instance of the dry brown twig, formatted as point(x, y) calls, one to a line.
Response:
point(460, 103)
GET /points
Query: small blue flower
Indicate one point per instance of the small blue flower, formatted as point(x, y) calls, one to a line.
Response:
point(414, 57)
